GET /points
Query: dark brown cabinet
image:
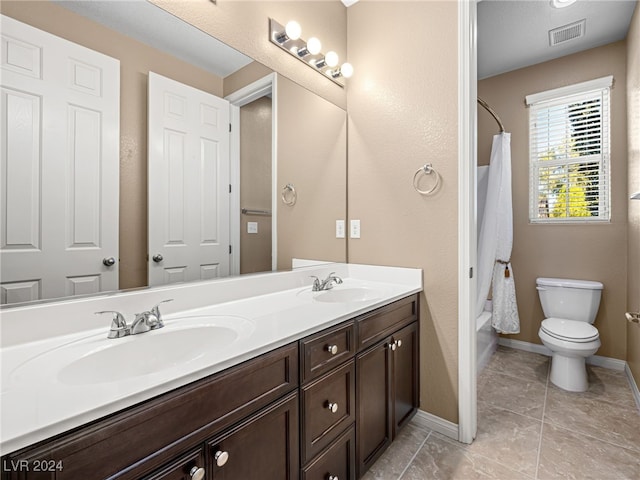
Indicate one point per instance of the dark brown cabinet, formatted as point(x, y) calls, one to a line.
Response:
point(323, 408)
point(387, 386)
point(265, 446)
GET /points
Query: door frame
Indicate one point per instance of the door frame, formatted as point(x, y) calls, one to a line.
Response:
point(467, 221)
point(266, 85)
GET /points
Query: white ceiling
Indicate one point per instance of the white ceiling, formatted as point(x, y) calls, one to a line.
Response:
point(514, 34)
point(153, 26)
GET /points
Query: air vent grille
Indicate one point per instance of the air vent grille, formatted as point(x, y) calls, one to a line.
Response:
point(567, 32)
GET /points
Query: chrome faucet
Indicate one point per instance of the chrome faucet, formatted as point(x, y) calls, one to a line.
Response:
point(143, 322)
point(327, 283)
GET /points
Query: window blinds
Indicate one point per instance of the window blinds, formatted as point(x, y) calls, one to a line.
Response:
point(570, 157)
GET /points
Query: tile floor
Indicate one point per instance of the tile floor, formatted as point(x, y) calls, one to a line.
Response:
point(528, 429)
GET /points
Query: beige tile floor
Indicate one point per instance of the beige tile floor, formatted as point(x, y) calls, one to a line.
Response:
point(528, 429)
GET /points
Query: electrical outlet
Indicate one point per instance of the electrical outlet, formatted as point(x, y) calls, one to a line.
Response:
point(252, 227)
point(355, 229)
point(339, 228)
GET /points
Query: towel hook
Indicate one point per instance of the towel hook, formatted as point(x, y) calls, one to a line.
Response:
point(426, 169)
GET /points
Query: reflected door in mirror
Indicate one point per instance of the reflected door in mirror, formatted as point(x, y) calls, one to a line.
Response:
point(60, 136)
point(188, 183)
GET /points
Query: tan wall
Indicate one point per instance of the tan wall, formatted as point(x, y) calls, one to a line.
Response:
point(403, 114)
point(244, 25)
point(255, 184)
point(633, 116)
point(136, 60)
point(311, 156)
point(245, 76)
point(587, 251)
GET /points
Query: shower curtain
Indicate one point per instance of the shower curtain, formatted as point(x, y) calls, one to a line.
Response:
point(496, 241)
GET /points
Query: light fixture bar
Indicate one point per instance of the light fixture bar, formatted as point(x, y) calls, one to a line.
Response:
point(299, 49)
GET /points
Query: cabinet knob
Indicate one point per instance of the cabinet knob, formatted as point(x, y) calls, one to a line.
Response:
point(332, 349)
point(221, 458)
point(333, 477)
point(393, 346)
point(399, 343)
point(197, 473)
point(332, 406)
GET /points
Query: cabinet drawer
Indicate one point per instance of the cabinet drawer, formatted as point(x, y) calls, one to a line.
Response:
point(183, 468)
point(383, 322)
point(323, 351)
point(328, 408)
point(132, 443)
point(337, 461)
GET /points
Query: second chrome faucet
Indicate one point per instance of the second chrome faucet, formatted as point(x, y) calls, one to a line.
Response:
point(143, 322)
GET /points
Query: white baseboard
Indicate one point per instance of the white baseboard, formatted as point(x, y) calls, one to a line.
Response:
point(437, 424)
point(597, 360)
point(633, 385)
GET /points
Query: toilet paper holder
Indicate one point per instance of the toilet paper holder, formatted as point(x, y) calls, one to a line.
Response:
point(633, 317)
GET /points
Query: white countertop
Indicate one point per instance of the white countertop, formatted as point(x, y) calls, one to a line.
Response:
point(35, 404)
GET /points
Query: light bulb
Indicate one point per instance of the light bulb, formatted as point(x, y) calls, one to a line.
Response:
point(347, 70)
point(314, 46)
point(331, 59)
point(293, 30)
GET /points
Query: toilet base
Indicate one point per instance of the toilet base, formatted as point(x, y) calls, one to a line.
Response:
point(569, 373)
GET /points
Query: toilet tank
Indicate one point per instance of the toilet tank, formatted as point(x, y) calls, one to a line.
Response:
point(570, 299)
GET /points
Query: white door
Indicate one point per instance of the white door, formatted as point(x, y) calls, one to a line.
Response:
point(60, 164)
point(188, 183)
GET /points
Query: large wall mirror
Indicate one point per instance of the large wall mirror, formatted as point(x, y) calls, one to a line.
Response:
point(285, 159)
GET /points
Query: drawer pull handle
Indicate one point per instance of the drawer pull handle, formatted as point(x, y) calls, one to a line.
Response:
point(333, 477)
point(332, 349)
point(221, 458)
point(197, 473)
point(332, 406)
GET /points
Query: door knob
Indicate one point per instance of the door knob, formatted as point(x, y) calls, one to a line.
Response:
point(109, 262)
point(157, 258)
point(197, 473)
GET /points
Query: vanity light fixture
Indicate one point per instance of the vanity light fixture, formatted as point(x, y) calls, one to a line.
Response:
point(288, 38)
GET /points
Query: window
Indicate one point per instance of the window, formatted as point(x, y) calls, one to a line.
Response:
point(569, 153)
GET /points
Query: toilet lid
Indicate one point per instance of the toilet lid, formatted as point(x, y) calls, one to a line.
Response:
point(570, 330)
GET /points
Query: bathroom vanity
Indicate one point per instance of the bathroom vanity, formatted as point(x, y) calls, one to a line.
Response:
point(323, 403)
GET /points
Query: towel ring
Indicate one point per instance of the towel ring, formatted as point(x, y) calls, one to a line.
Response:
point(289, 195)
point(426, 169)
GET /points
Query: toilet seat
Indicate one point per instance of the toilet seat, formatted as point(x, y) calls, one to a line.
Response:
point(569, 330)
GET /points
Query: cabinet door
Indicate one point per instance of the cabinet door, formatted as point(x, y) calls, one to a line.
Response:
point(374, 429)
point(265, 446)
point(405, 376)
point(187, 467)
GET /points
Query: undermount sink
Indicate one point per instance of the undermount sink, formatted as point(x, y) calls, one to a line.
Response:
point(343, 295)
point(95, 360)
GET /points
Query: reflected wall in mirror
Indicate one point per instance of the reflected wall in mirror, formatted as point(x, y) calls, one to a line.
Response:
point(305, 231)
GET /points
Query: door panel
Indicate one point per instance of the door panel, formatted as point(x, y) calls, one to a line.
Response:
point(188, 183)
point(60, 166)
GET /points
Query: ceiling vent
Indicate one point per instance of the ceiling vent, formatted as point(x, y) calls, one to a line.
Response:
point(567, 32)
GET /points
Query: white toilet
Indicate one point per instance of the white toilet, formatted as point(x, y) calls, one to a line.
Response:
point(570, 307)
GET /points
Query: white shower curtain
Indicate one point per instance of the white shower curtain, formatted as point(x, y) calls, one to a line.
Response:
point(496, 241)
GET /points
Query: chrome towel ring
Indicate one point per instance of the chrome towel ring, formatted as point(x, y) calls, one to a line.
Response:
point(426, 169)
point(289, 195)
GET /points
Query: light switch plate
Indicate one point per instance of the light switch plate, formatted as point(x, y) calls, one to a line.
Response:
point(252, 227)
point(355, 229)
point(340, 229)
